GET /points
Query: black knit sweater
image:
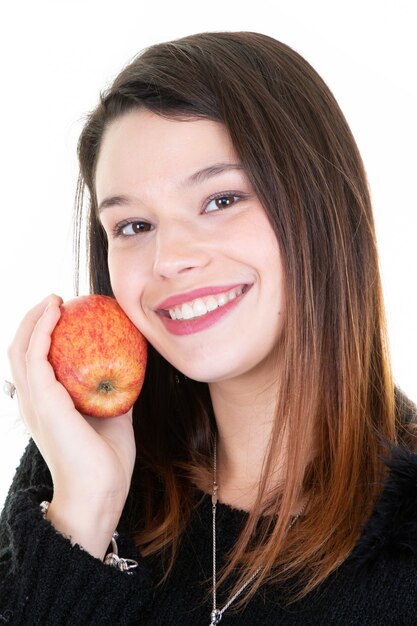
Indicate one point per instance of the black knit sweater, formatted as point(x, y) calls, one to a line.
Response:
point(44, 580)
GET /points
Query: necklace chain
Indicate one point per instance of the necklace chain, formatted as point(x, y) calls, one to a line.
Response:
point(217, 614)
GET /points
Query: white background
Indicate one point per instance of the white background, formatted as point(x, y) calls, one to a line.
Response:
point(56, 56)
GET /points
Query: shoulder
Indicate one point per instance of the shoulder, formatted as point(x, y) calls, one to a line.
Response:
point(391, 531)
point(377, 584)
point(390, 534)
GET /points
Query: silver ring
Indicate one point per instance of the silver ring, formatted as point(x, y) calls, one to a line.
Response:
point(9, 388)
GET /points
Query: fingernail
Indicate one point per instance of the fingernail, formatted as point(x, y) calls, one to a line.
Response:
point(52, 299)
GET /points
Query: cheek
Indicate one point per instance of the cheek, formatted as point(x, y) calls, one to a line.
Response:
point(116, 276)
point(126, 281)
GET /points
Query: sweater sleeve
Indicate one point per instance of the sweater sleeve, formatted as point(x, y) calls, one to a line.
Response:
point(44, 579)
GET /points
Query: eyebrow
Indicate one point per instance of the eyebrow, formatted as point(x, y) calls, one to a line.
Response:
point(113, 201)
point(210, 171)
point(197, 177)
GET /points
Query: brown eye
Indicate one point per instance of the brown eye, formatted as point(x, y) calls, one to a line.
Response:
point(221, 202)
point(130, 228)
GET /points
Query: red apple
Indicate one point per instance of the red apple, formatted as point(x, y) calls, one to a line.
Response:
point(98, 355)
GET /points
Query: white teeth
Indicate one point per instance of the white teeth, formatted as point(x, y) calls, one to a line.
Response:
point(187, 311)
point(211, 303)
point(201, 306)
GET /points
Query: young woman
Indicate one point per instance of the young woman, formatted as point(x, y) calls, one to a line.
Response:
point(267, 473)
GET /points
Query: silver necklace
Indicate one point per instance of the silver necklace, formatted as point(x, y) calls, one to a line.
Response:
point(217, 614)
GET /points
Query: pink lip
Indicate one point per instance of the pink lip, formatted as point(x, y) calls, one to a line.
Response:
point(197, 324)
point(188, 296)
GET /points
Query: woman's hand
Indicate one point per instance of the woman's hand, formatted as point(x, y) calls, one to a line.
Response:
point(90, 459)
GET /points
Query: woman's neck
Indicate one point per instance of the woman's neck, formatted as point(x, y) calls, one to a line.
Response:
point(245, 415)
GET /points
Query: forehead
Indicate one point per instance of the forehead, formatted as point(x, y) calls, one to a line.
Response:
point(144, 145)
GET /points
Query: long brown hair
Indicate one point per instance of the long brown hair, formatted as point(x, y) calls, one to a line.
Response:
point(336, 393)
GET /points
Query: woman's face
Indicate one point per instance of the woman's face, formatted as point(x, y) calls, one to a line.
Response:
point(188, 239)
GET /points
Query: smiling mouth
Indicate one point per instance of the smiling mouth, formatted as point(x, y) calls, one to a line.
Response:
point(202, 306)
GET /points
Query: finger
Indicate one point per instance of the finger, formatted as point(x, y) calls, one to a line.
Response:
point(39, 373)
point(20, 343)
point(51, 409)
point(17, 352)
point(41, 393)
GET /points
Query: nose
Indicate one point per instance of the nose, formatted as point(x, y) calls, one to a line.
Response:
point(178, 250)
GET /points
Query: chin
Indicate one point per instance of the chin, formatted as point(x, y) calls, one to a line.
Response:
point(209, 375)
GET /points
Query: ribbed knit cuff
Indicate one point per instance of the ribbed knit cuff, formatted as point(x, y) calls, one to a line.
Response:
point(55, 582)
